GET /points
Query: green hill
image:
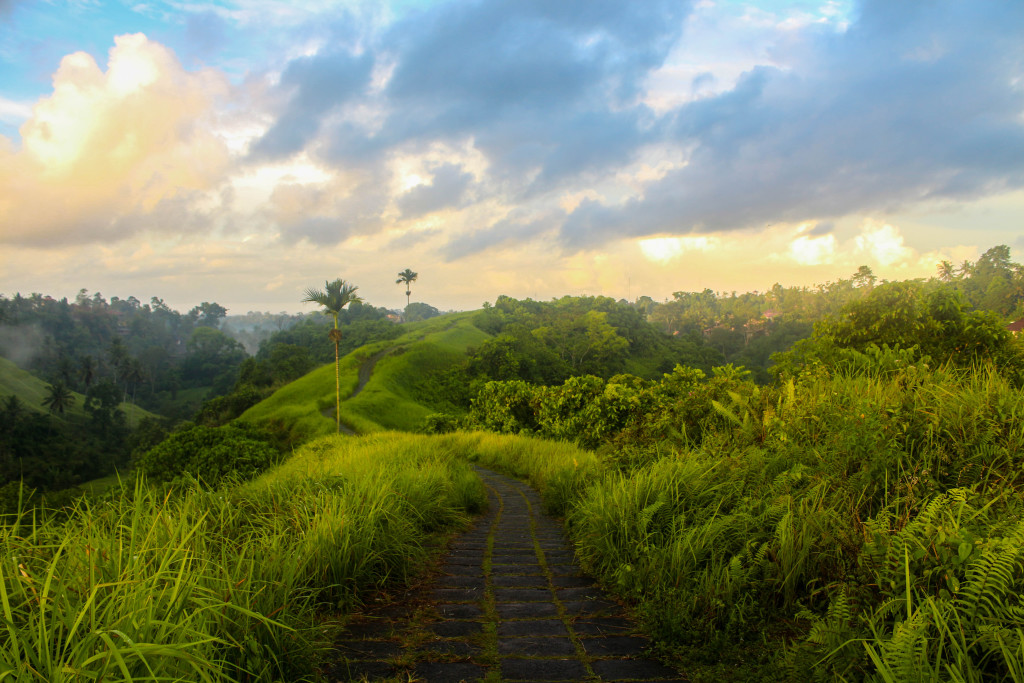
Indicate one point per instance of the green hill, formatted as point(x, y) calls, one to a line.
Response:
point(31, 391)
point(385, 385)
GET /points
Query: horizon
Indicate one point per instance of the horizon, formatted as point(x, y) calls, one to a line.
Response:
point(501, 147)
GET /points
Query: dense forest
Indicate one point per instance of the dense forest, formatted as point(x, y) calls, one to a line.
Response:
point(98, 356)
point(196, 366)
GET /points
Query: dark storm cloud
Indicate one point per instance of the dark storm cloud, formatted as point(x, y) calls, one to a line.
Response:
point(916, 101)
point(447, 189)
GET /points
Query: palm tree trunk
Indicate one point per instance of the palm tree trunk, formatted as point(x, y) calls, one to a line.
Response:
point(337, 387)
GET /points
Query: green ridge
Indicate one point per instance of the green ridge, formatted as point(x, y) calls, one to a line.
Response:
point(398, 395)
point(31, 391)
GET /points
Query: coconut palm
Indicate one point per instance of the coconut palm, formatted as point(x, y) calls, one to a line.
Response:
point(87, 370)
point(334, 297)
point(408, 277)
point(59, 397)
point(947, 271)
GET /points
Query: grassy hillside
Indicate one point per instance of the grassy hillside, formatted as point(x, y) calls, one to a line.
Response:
point(397, 395)
point(31, 391)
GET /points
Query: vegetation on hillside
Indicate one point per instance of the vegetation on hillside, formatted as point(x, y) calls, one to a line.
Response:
point(846, 508)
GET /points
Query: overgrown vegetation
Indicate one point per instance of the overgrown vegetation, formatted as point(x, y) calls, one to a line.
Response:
point(223, 584)
point(849, 510)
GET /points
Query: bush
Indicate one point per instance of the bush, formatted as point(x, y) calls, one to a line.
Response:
point(209, 454)
point(440, 423)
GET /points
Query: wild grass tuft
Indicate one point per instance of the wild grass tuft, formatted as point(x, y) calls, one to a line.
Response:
point(223, 585)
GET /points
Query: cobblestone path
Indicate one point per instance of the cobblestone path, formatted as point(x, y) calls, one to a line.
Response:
point(509, 605)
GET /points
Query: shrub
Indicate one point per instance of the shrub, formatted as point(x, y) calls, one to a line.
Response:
point(209, 454)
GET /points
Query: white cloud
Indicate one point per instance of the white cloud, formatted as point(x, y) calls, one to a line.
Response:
point(13, 112)
point(883, 243)
point(108, 147)
point(813, 251)
point(667, 249)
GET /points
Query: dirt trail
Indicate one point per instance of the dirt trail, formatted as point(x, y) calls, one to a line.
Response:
point(366, 369)
point(509, 604)
point(365, 372)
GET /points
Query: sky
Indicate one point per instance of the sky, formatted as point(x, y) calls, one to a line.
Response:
point(240, 151)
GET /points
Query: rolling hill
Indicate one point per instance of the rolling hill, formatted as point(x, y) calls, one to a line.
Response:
point(385, 385)
point(31, 391)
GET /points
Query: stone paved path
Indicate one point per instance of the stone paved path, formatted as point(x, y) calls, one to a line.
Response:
point(509, 605)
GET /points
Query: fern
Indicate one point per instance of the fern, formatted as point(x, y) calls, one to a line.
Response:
point(993, 578)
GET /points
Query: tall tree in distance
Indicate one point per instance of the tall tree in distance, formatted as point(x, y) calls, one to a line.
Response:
point(59, 398)
point(408, 277)
point(334, 297)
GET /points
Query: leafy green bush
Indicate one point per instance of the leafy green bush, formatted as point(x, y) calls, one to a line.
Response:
point(440, 423)
point(208, 454)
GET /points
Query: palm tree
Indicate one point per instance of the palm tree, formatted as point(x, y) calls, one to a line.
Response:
point(406, 276)
point(59, 398)
point(947, 271)
point(87, 370)
point(333, 298)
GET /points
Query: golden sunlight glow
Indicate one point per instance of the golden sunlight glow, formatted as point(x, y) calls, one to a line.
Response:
point(115, 143)
point(883, 243)
point(665, 249)
point(813, 251)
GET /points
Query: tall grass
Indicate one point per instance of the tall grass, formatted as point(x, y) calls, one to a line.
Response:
point(559, 470)
point(223, 585)
point(864, 523)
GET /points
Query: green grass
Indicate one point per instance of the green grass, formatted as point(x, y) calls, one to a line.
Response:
point(31, 391)
point(228, 584)
point(398, 395)
point(401, 393)
point(860, 525)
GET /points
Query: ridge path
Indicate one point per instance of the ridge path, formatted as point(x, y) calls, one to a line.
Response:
point(509, 604)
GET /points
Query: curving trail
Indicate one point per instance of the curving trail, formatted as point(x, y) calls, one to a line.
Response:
point(366, 369)
point(365, 372)
point(509, 604)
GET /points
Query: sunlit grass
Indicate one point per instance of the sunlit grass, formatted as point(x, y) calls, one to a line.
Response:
point(223, 585)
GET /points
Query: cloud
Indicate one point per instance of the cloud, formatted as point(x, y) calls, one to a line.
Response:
point(109, 147)
point(911, 104)
point(883, 243)
point(511, 229)
point(315, 86)
point(812, 251)
point(446, 189)
point(205, 32)
point(12, 112)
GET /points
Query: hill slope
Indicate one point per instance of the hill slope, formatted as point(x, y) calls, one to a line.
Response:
point(385, 385)
point(31, 391)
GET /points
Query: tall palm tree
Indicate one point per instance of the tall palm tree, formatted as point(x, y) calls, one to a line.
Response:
point(947, 271)
point(87, 370)
point(59, 397)
point(408, 277)
point(334, 297)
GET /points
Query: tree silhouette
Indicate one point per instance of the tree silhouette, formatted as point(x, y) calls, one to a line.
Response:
point(408, 277)
point(87, 370)
point(59, 398)
point(334, 297)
